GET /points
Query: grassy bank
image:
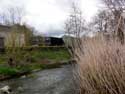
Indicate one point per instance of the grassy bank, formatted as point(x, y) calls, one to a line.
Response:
point(32, 59)
point(6, 71)
point(37, 55)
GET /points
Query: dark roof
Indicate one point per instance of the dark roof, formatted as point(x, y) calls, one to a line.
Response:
point(5, 28)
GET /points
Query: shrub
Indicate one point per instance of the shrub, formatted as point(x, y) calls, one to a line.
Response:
point(101, 69)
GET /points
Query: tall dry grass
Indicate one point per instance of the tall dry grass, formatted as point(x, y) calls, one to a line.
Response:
point(101, 69)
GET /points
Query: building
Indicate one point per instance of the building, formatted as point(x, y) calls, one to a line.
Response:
point(56, 41)
point(46, 41)
point(11, 36)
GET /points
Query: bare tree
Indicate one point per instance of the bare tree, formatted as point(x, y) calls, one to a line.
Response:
point(75, 23)
point(75, 26)
point(117, 8)
point(101, 21)
point(12, 15)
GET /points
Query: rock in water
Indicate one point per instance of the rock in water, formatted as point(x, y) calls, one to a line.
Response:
point(5, 90)
point(20, 89)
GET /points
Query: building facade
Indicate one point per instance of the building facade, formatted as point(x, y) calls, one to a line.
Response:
point(9, 37)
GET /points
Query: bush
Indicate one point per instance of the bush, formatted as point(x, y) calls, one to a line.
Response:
point(101, 69)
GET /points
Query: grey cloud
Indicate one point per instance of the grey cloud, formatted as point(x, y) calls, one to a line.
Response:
point(53, 20)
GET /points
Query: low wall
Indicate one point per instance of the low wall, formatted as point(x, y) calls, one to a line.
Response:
point(29, 48)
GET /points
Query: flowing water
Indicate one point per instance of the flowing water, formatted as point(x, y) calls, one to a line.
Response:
point(53, 81)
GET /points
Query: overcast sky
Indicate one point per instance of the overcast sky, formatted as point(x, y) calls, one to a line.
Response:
point(48, 16)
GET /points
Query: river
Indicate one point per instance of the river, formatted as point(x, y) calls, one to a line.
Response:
point(52, 81)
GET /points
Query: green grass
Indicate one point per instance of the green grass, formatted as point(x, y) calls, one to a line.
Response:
point(37, 55)
point(36, 61)
point(56, 55)
point(8, 71)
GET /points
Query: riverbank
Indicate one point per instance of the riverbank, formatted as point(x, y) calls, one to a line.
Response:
point(24, 62)
point(52, 81)
point(15, 73)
